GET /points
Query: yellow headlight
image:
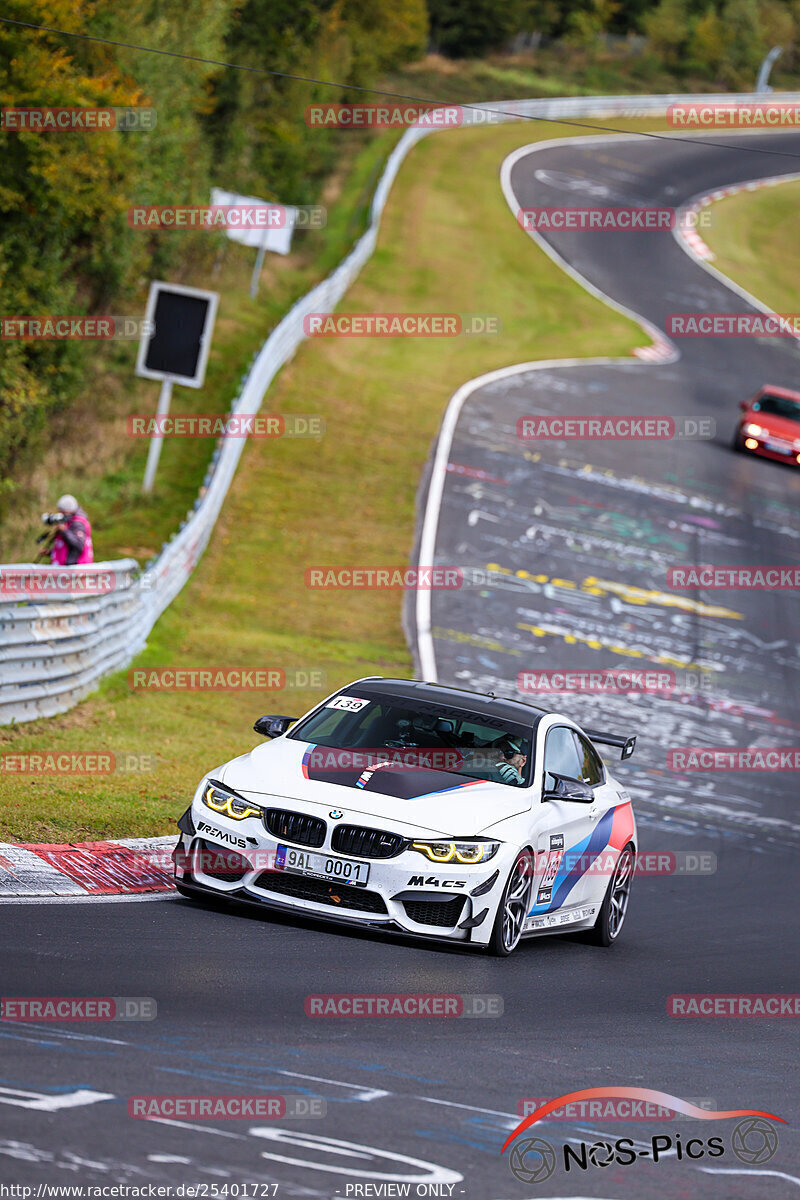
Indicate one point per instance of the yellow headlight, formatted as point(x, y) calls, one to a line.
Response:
point(436, 851)
point(231, 806)
point(470, 853)
point(460, 852)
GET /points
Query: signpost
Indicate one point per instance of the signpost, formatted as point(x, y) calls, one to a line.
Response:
point(277, 238)
point(179, 323)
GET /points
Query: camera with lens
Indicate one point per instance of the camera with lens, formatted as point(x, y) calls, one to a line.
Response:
point(53, 518)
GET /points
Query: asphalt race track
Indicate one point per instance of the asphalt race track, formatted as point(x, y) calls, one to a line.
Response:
point(430, 1102)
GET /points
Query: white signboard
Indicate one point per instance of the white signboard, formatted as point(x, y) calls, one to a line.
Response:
point(277, 238)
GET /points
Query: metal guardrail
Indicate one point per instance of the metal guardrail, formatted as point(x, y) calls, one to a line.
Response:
point(54, 649)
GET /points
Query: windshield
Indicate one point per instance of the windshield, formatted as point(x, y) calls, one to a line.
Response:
point(778, 406)
point(381, 729)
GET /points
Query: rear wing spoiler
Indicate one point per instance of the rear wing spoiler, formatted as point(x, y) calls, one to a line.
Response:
point(626, 745)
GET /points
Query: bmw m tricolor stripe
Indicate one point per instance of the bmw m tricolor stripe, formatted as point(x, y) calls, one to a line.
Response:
point(616, 824)
point(396, 779)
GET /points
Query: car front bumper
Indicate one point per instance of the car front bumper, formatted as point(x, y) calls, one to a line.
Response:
point(790, 456)
point(404, 894)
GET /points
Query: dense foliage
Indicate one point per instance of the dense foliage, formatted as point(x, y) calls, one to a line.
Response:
point(65, 246)
point(726, 39)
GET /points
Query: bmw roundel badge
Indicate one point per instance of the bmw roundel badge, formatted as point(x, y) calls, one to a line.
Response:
point(335, 814)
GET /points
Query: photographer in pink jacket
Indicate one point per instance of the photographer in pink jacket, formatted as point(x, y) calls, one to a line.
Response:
point(72, 545)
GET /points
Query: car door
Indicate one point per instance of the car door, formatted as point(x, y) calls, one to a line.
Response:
point(565, 827)
point(598, 855)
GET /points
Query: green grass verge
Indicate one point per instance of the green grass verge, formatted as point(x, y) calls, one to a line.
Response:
point(448, 243)
point(756, 240)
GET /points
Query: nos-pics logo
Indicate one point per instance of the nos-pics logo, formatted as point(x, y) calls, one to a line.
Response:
point(754, 1140)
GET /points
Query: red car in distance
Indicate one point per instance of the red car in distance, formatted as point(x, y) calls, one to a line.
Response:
point(770, 425)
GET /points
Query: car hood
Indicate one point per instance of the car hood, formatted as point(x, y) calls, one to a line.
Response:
point(781, 427)
point(410, 800)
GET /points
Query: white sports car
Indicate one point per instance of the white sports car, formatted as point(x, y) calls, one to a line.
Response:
point(420, 809)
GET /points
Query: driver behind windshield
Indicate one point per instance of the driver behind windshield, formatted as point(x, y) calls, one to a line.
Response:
point(512, 763)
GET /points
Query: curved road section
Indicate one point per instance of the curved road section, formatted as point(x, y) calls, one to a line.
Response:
point(570, 547)
point(575, 542)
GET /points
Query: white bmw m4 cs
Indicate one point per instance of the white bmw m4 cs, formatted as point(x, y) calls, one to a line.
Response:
point(423, 810)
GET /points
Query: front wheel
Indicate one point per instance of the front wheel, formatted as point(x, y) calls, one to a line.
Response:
point(513, 908)
point(611, 917)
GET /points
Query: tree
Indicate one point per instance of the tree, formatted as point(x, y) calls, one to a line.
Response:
point(59, 196)
point(471, 28)
point(710, 43)
point(746, 42)
point(667, 29)
point(65, 246)
point(587, 25)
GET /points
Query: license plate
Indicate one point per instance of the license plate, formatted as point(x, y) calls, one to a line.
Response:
point(321, 866)
point(779, 447)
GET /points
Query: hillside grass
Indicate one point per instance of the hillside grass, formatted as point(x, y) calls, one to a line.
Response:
point(756, 241)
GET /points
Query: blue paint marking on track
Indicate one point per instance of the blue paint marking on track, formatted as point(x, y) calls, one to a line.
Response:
point(82, 1043)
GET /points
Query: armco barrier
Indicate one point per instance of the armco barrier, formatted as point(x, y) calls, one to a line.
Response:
point(53, 650)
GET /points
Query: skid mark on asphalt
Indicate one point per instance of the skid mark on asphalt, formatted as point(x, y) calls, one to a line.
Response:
point(743, 1171)
point(616, 611)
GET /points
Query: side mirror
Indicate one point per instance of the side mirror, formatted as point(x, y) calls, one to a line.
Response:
point(744, 405)
point(273, 726)
point(568, 789)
